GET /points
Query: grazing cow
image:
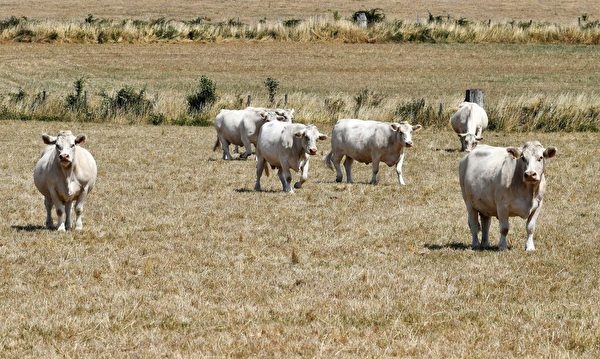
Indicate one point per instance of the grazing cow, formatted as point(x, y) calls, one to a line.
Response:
point(286, 146)
point(469, 122)
point(369, 141)
point(65, 173)
point(241, 127)
point(503, 182)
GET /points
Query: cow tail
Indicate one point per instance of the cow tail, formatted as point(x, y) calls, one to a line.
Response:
point(266, 167)
point(216, 145)
point(328, 160)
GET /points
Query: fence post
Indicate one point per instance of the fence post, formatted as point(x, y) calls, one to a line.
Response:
point(440, 110)
point(475, 95)
point(249, 101)
point(285, 100)
point(361, 20)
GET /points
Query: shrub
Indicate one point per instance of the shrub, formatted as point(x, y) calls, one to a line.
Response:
point(334, 106)
point(18, 97)
point(77, 101)
point(291, 22)
point(204, 97)
point(11, 22)
point(272, 86)
point(366, 97)
point(126, 101)
point(373, 15)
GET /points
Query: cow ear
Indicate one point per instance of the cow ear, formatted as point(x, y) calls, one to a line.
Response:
point(395, 126)
point(322, 137)
point(417, 128)
point(550, 152)
point(49, 140)
point(463, 135)
point(479, 138)
point(515, 152)
point(80, 139)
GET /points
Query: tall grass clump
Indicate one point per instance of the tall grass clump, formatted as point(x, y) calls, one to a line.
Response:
point(438, 29)
point(272, 85)
point(77, 100)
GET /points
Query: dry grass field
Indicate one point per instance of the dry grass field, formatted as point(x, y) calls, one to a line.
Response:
point(179, 257)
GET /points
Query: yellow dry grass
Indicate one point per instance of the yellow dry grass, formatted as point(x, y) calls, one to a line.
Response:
point(180, 258)
point(254, 10)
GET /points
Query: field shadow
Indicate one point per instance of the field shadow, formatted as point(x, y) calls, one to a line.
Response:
point(457, 246)
point(449, 150)
point(28, 228)
point(250, 190)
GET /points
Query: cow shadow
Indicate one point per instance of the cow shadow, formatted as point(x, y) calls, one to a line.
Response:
point(449, 150)
point(251, 190)
point(29, 228)
point(458, 246)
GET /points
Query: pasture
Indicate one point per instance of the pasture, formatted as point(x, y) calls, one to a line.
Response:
point(180, 258)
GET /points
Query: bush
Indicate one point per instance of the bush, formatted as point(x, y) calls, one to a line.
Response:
point(272, 86)
point(373, 15)
point(127, 101)
point(204, 97)
point(291, 22)
point(77, 101)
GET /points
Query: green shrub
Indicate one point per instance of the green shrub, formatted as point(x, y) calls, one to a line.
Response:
point(77, 101)
point(126, 101)
point(271, 84)
point(204, 97)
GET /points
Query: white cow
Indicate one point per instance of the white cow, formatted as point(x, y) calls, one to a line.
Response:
point(241, 127)
point(369, 141)
point(286, 146)
point(503, 182)
point(468, 122)
point(65, 173)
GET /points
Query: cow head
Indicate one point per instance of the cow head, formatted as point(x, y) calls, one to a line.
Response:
point(405, 130)
point(468, 141)
point(532, 157)
point(309, 136)
point(64, 144)
point(284, 115)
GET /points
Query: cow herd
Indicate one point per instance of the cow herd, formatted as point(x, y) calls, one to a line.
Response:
point(495, 181)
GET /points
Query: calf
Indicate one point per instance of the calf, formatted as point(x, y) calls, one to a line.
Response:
point(65, 173)
point(286, 146)
point(503, 182)
point(366, 142)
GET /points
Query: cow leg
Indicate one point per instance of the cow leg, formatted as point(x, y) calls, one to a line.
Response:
point(348, 167)
point(463, 144)
point(335, 159)
point(399, 169)
point(68, 207)
point(530, 227)
point(247, 147)
point(79, 210)
point(48, 205)
point(303, 175)
point(286, 178)
point(260, 165)
point(59, 206)
point(474, 226)
point(225, 146)
point(504, 226)
point(375, 171)
point(485, 230)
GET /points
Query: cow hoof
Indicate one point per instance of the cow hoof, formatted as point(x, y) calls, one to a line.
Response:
point(298, 185)
point(338, 180)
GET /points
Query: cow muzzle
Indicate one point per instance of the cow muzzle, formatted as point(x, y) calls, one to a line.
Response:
point(408, 144)
point(64, 159)
point(531, 176)
point(312, 151)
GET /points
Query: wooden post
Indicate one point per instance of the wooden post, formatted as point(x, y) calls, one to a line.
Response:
point(285, 100)
point(249, 102)
point(440, 110)
point(475, 95)
point(361, 20)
